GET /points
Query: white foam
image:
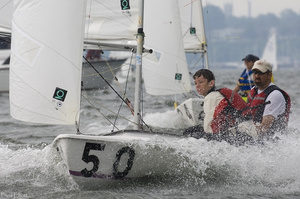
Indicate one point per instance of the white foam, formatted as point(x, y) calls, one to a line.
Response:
point(168, 119)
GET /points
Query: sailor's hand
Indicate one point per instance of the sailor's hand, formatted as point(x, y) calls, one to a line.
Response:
point(249, 128)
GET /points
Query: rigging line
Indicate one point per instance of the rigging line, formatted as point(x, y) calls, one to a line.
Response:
point(113, 73)
point(86, 98)
point(191, 14)
point(195, 60)
point(103, 107)
point(89, 21)
point(127, 102)
point(125, 89)
point(145, 124)
point(206, 17)
point(141, 115)
point(103, 72)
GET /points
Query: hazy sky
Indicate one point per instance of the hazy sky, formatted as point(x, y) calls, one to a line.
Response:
point(240, 7)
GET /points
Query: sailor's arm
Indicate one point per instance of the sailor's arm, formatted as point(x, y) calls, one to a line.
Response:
point(237, 87)
point(266, 124)
point(272, 110)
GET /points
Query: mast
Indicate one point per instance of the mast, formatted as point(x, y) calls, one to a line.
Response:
point(203, 42)
point(138, 75)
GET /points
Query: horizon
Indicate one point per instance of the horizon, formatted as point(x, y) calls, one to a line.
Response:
point(254, 8)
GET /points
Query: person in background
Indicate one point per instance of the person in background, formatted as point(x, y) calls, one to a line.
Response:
point(221, 107)
point(269, 105)
point(245, 82)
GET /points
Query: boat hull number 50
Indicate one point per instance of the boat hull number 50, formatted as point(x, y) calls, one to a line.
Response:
point(95, 160)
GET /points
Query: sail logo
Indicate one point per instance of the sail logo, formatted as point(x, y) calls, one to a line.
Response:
point(178, 76)
point(192, 30)
point(60, 94)
point(125, 4)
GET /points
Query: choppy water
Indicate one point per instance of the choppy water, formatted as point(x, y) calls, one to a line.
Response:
point(29, 167)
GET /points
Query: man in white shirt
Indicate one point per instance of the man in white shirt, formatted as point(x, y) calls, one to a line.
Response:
point(269, 105)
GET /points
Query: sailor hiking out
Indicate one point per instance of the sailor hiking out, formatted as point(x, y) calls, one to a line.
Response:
point(222, 108)
point(228, 117)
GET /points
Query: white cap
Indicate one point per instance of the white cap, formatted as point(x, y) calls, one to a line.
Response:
point(262, 65)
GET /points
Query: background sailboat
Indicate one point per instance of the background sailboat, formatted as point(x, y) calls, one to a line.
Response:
point(91, 80)
point(270, 50)
point(193, 31)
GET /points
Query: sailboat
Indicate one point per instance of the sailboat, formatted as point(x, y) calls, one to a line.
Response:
point(270, 50)
point(193, 31)
point(45, 77)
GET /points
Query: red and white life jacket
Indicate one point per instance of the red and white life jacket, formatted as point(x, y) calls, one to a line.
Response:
point(257, 103)
point(227, 111)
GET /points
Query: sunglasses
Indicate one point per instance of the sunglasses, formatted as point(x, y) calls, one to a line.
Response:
point(257, 72)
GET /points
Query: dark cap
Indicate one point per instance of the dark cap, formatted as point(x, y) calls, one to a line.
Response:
point(250, 57)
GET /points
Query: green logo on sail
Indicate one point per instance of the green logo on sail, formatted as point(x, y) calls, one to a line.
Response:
point(178, 76)
point(60, 94)
point(125, 4)
point(192, 30)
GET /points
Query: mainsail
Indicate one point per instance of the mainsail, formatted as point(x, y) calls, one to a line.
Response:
point(46, 58)
point(46, 65)
point(165, 71)
point(193, 29)
point(111, 22)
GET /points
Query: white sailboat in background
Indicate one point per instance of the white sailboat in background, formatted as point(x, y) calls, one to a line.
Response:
point(90, 79)
point(5, 24)
point(46, 72)
point(193, 30)
point(4, 68)
point(270, 50)
point(6, 7)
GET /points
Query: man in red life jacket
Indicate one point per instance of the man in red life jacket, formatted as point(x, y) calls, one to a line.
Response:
point(221, 107)
point(269, 105)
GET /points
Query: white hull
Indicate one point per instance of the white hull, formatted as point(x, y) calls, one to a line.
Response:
point(98, 160)
point(191, 111)
point(4, 75)
point(4, 78)
point(91, 80)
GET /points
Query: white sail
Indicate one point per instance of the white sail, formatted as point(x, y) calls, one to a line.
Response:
point(165, 71)
point(193, 29)
point(45, 70)
point(270, 51)
point(111, 21)
point(192, 24)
